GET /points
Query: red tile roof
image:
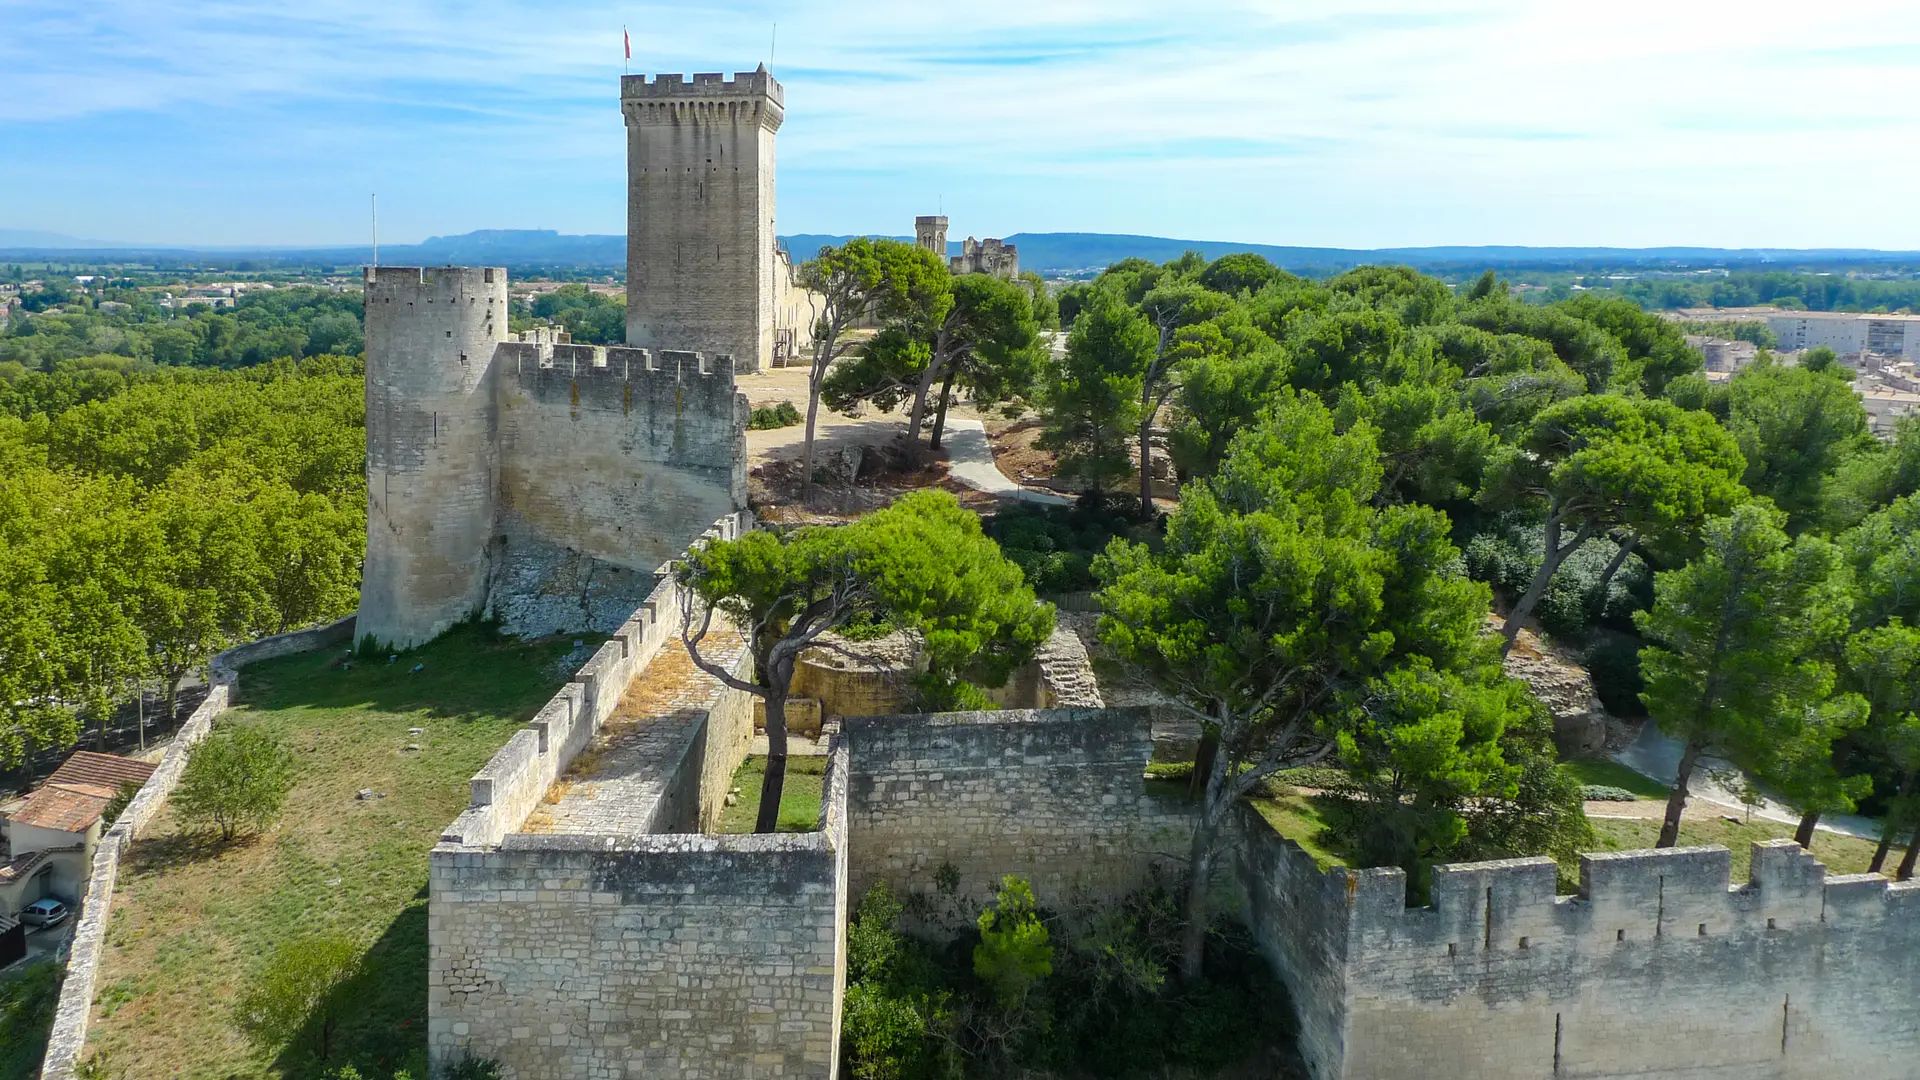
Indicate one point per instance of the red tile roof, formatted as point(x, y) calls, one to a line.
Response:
point(106, 770)
point(73, 798)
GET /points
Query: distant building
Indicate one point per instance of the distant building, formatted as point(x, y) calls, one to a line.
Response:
point(1723, 354)
point(990, 256)
point(1847, 332)
point(930, 232)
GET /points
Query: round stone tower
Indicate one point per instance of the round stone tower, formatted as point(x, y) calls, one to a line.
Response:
point(430, 337)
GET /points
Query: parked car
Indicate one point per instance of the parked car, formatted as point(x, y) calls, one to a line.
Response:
point(44, 912)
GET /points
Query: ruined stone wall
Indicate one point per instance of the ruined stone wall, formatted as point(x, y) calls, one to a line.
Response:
point(1658, 969)
point(687, 956)
point(1056, 796)
point(611, 460)
point(431, 457)
point(700, 242)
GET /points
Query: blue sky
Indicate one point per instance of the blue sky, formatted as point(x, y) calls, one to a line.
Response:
point(1352, 124)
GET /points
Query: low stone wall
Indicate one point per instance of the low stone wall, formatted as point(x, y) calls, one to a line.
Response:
point(1055, 795)
point(71, 1016)
point(666, 955)
point(1657, 969)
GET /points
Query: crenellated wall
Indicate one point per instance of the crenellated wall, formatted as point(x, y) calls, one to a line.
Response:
point(537, 481)
point(611, 460)
point(1658, 969)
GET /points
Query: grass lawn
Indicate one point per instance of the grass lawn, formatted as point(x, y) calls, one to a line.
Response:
point(799, 795)
point(1605, 772)
point(1842, 854)
point(1297, 817)
point(194, 919)
point(27, 998)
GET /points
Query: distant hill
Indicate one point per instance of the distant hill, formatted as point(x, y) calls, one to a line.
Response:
point(1049, 253)
point(37, 238)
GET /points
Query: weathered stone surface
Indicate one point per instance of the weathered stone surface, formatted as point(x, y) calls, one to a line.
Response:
point(701, 253)
point(1657, 969)
point(1565, 688)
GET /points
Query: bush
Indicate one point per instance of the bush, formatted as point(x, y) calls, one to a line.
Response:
point(294, 992)
point(1055, 546)
point(1605, 793)
point(117, 805)
point(774, 416)
point(1507, 555)
point(237, 776)
point(26, 1015)
point(1093, 993)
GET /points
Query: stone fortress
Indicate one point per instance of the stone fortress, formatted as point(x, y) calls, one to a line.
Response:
point(586, 921)
point(990, 256)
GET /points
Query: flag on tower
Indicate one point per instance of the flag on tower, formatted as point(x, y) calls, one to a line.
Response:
point(626, 42)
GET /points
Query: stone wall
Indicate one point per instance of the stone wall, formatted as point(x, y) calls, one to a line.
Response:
point(611, 460)
point(539, 481)
point(506, 789)
point(1056, 796)
point(74, 1011)
point(659, 956)
point(1657, 969)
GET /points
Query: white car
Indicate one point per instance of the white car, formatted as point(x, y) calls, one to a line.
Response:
point(44, 912)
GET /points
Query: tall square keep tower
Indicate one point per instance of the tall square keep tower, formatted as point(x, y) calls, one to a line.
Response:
point(701, 263)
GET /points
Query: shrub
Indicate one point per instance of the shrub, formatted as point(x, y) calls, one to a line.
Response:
point(1605, 793)
point(1055, 546)
point(1507, 555)
point(1088, 993)
point(237, 776)
point(295, 992)
point(1013, 953)
point(117, 805)
point(774, 416)
point(474, 1069)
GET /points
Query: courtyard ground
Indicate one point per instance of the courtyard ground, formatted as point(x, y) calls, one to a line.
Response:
point(800, 795)
point(194, 919)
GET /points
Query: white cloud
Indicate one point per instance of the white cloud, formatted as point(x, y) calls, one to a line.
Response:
point(1450, 121)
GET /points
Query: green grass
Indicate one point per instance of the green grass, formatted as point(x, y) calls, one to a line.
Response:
point(1842, 854)
point(799, 795)
point(1605, 772)
point(194, 919)
point(1297, 818)
point(27, 998)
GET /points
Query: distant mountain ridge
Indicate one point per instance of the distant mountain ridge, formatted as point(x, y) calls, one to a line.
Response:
point(1044, 252)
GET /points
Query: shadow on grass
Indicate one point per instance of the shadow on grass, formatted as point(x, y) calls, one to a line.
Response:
point(379, 1015)
point(158, 854)
point(467, 673)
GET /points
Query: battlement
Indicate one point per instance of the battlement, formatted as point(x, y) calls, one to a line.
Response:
point(434, 279)
point(706, 84)
point(1624, 896)
point(530, 361)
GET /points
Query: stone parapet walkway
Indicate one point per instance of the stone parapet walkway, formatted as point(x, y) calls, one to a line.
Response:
point(616, 784)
